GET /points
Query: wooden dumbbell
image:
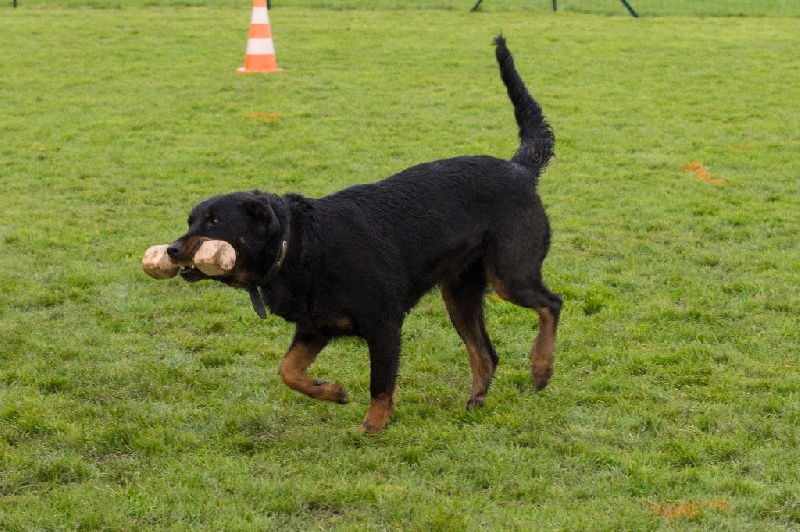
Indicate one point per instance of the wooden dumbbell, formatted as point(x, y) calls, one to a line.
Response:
point(214, 257)
point(156, 263)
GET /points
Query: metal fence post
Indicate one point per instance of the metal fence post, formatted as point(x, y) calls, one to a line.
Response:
point(629, 8)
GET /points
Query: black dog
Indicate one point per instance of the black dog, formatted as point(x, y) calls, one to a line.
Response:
point(355, 262)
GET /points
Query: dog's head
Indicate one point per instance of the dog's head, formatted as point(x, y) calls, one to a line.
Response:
point(245, 220)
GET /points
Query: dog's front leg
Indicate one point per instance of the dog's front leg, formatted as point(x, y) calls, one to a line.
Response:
point(302, 353)
point(384, 360)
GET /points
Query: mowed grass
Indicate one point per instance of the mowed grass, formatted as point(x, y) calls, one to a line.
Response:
point(129, 403)
point(644, 8)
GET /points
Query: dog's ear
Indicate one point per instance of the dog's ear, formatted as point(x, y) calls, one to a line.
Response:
point(261, 214)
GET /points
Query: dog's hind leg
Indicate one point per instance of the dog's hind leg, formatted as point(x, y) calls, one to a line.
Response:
point(543, 348)
point(302, 353)
point(384, 361)
point(532, 293)
point(464, 301)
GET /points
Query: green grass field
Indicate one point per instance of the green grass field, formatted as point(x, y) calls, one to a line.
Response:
point(133, 404)
point(645, 8)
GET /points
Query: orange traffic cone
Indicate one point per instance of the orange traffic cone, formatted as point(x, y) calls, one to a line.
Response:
point(260, 55)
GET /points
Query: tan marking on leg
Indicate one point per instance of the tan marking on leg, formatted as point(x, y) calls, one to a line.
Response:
point(542, 352)
point(380, 410)
point(498, 286)
point(339, 324)
point(293, 372)
point(479, 359)
point(482, 373)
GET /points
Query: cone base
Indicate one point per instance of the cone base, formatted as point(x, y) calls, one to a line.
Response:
point(245, 70)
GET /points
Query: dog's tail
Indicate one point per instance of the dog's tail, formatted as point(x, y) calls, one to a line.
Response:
point(536, 136)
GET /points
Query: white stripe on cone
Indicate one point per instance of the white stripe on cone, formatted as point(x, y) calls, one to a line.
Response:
point(260, 16)
point(260, 47)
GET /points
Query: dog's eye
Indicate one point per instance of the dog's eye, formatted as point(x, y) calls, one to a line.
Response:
point(213, 220)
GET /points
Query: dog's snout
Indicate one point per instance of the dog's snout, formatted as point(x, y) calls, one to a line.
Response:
point(174, 249)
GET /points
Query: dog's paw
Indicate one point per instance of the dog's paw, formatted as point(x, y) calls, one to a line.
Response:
point(369, 428)
point(476, 400)
point(332, 392)
point(541, 376)
point(340, 395)
point(378, 414)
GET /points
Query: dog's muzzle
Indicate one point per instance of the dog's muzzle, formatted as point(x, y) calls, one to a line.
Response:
point(181, 252)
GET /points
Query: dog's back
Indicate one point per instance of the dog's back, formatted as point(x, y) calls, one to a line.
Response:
point(432, 221)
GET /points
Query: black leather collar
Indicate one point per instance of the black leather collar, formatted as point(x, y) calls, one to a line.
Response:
point(256, 290)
